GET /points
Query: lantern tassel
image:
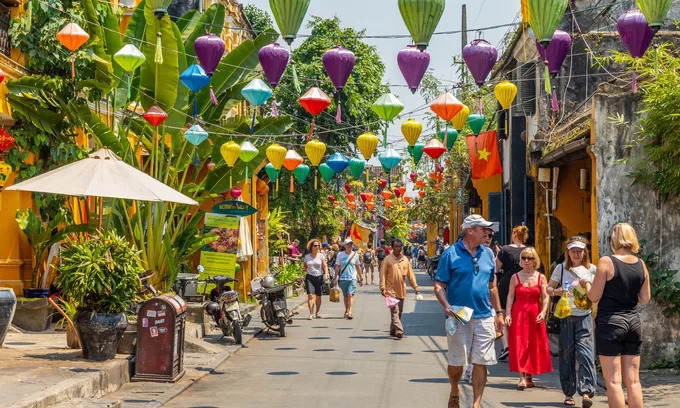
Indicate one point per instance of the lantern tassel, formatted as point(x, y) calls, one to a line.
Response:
point(277, 186)
point(195, 109)
point(311, 130)
point(337, 184)
point(389, 182)
point(316, 181)
point(292, 188)
point(275, 112)
point(252, 125)
point(656, 59)
point(230, 179)
point(213, 98)
point(635, 79)
point(338, 116)
point(195, 159)
point(158, 58)
point(546, 76)
point(73, 65)
point(296, 81)
point(413, 165)
point(555, 105)
point(479, 106)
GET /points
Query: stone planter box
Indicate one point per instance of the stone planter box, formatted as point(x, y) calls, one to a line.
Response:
point(128, 344)
point(33, 314)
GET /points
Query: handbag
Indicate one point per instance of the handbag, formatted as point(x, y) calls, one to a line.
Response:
point(335, 292)
point(552, 325)
point(326, 287)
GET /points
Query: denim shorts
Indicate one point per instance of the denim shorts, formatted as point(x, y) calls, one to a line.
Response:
point(348, 286)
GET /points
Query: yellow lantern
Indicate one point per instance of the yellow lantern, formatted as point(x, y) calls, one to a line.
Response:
point(230, 152)
point(315, 150)
point(5, 171)
point(411, 130)
point(276, 154)
point(505, 93)
point(460, 119)
point(367, 144)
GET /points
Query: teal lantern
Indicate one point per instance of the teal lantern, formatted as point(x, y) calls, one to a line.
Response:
point(545, 16)
point(476, 123)
point(289, 15)
point(421, 18)
point(326, 171)
point(356, 167)
point(195, 79)
point(655, 11)
point(389, 159)
point(416, 152)
point(195, 135)
point(257, 93)
point(271, 171)
point(301, 173)
point(448, 136)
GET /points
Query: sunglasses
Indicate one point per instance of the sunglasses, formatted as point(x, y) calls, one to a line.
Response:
point(475, 263)
point(316, 245)
point(489, 235)
point(526, 258)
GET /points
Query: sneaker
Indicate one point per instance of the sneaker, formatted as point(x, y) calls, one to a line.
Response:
point(504, 355)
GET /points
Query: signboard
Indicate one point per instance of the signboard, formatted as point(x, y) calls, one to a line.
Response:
point(360, 235)
point(219, 257)
point(237, 208)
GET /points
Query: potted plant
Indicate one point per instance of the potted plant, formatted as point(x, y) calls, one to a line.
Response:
point(101, 274)
point(8, 303)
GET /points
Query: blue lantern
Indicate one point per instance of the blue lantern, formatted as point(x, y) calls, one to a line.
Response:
point(389, 160)
point(195, 135)
point(257, 93)
point(338, 163)
point(195, 79)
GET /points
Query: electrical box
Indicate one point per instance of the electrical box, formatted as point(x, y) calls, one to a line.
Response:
point(544, 175)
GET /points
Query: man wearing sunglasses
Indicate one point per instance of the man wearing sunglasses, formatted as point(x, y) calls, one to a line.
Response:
point(466, 276)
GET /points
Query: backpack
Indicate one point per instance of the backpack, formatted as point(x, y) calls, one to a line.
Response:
point(408, 251)
point(367, 257)
point(380, 253)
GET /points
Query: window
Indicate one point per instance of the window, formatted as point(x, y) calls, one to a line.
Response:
point(5, 17)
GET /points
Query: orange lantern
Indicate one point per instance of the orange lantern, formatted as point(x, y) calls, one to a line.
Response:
point(433, 176)
point(350, 205)
point(421, 194)
point(437, 187)
point(350, 197)
point(72, 36)
point(402, 190)
point(446, 106)
point(369, 197)
point(407, 199)
point(420, 184)
point(386, 194)
point(370, 206)
point(335, 204)
point(388, 203)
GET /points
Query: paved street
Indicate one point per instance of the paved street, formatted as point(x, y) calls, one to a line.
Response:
point(333, 362)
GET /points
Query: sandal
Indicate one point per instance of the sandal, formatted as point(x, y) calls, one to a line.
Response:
point(349, 316)
point(522, 385)
point(569, 401)
point(318, 315)
point(587, 402)
point(454, 401)
point(530, 382)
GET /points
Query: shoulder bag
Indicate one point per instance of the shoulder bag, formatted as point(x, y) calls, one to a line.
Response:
point(552, 325)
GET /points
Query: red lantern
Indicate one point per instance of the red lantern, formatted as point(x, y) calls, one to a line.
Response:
point(2, 76)
point(420, 184)
point(396, 192)
point(413, 177)
point(437, 187)
point(386, 194)
point(348, 188)
point(6, 140)
point(314, 101)
point(434, 148)
point(421, 194)
point(388, 203)
point(369, 197)
point(407, 199)
point(331, 198)
point(363, 197)
point(72, 36)
point(383, 183)
point(211, 166)
point(155, 116)
point(235, 193)
point(350, 197)
point(370, 206)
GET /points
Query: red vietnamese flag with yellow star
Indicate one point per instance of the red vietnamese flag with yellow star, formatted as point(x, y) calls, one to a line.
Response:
point(484, 158)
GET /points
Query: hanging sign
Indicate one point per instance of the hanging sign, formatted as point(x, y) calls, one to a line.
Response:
point(237, 208)
point(219, 257)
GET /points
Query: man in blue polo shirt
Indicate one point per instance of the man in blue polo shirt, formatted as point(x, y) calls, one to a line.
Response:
point(466, 277)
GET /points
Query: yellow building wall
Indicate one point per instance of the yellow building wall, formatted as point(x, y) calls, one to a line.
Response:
point(484, 187)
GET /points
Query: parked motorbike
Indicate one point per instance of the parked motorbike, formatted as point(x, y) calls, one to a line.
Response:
point(432, 264)
point(274, 308)
point(225, 309)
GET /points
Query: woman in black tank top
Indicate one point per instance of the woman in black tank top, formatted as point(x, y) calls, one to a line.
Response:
point(621, 283)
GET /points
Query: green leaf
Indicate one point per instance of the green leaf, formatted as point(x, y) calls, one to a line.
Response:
point(103, 62)
point(159, 83)
point(187, 23)
point(177, 117)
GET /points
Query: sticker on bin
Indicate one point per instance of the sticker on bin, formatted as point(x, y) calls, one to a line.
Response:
point(150, 313)
point(145, 322)
point(162, 330)
point(154, 331)
point(161, 313)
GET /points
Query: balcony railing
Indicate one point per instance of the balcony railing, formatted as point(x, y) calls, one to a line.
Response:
point(5, 17)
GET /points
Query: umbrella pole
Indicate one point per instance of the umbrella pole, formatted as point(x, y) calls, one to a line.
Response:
point(101, 212)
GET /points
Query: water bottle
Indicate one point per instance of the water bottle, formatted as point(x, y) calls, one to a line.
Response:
point(451, 325)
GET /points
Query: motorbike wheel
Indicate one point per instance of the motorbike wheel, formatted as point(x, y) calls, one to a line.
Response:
point(282, 326)
point(238, 333)
point(263, 316)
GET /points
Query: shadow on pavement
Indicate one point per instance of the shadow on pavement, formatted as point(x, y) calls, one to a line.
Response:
point(430, 380)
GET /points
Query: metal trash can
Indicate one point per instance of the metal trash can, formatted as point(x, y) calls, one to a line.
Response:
point(160, 339)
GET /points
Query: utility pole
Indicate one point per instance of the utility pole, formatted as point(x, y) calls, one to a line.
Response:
point(464, 27)
point(458, 60)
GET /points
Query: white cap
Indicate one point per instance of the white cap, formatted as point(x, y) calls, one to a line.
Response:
point(476, 220)
point(576, 244)
point(348, 241)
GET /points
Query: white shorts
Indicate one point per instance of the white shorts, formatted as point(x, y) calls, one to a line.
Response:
point(473, 343)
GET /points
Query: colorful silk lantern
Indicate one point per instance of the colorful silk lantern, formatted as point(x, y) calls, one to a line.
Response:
point(413, 177)
point(553, 57)
point(369, 197)
point(505, 93)
point(382, 183)
point(72, 36)
point(448, 136)
point(370, 206)
point(407, 199)
point(338, 162)
point(480, 57)
point(257, 93)
point(413, 65)
point(292, 163)
point(421, 18)
point(350, 197)
point(160, 9)
point(367, 143)
point(2, 76)
point(460, 119)
point(230, 152)
point(315, 150)
point(195, 79)
point(655, 12)
point(155, 116)
point(195, 135)
point(211, 165)
point(338, 62)
point(446, 106)
point(476, 123)
point(434, 148)
point(273, 59)
point(331, 198)
point(272, 172)
point(356, 167)
point(386, 194)
point(289, 15)
point(388, 203)
point(420, 184)
point(326, 171)
point(6, 140)
point(421, 194)
point(247, 154)
point(389, 159)
point(363, 197)
point(416, 152)
point(301, 172)
point(546, 15)
point(5, 171)
point(235, 193)
point(636, 35)
point(209, 50)
point(314, 101)
point(411, 130)
point(276, 154)
point(350, 205)
point(129, 57)
point(402, 191)
point(387, 107)
point(348, 188)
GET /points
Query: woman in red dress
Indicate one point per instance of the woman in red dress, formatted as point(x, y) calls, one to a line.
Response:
point(527, 307)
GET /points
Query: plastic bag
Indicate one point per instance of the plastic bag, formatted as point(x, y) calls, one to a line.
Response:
point(451, 325)
point(335, 294)
point(419, 297)
point(563, 309)
point(581, 300)
point(391, 302)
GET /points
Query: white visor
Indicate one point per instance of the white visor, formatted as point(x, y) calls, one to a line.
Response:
point(576, 244)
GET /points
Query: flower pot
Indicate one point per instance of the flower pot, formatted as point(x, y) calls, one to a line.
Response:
point(71, 339)
point(8, 303)
point(99, 333)
point(34, 293)
point(33, 314)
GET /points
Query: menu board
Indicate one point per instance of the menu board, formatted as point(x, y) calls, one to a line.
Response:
point(219, 257)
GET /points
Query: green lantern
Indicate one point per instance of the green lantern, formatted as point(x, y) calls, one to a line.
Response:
point(448, 136)
point(655, 12)
point(289, 15)
point(416, 152)
point(129, 57)
point(545, 17)
point(387, 107)
point(248, 152)
point(476, 123)
point(271, 171)
point(421, 18)
point(301, 172)
point(356, 167)
point(326, 172)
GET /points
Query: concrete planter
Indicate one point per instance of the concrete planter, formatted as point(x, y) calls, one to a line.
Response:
point(71, 339)
point(33, 314)
point(99, 334)
point(8, 303)
point(128, 344)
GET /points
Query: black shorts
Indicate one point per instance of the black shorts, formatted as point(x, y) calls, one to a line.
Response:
point(314, 284)
point(617, 335)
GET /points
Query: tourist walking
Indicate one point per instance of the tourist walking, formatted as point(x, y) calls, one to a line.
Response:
point(507, 265)
point(526, 311)
point(621, 283)
point(466, 277)
point(408, 251)
point(346, 265)
point(317, 271)
point(576, 330)
point(395, 269)
point(381, 252)
point(368, 258)
point(416, 248)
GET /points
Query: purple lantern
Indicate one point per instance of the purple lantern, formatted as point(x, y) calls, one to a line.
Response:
point(338, 62)
point(553, 58)
point(273, 59)
point(636, 35)
point(413, 65)
point(209, 51)
point(480, 57)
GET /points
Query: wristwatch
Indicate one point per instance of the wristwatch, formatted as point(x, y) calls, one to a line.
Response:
point(500, 311)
